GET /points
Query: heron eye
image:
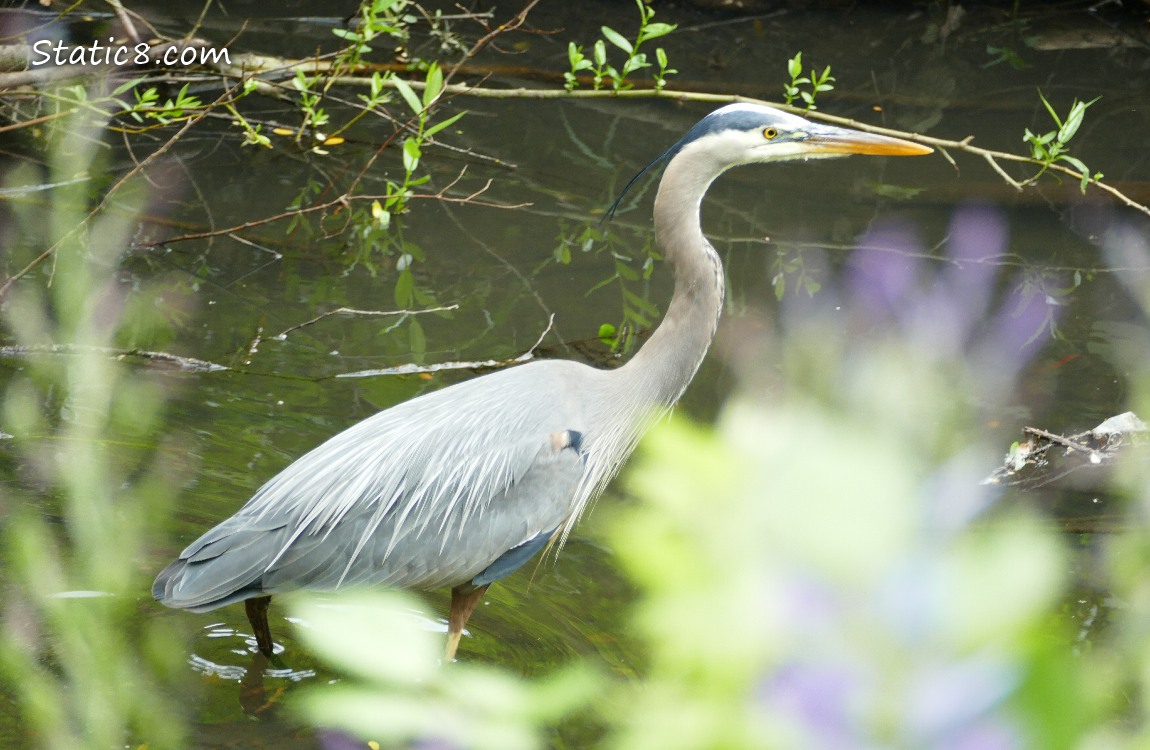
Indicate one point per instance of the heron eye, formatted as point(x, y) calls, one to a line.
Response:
point(770, 133)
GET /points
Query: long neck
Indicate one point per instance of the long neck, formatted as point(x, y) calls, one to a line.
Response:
point(661, 370)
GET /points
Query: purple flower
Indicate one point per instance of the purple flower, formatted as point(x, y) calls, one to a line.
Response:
point(820, 698)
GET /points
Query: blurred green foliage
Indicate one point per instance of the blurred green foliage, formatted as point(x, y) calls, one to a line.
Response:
point(399, 694)
point(81, 665)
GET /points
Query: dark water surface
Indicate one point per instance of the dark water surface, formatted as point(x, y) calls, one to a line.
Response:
point(567, 160)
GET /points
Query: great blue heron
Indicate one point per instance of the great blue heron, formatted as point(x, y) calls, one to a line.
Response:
point(462, 486)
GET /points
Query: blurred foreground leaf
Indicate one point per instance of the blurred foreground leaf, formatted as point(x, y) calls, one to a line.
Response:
point(398, 691)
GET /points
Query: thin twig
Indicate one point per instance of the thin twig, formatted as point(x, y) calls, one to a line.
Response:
point(341, 201)
point(39, 120)
point(1058, 439)
point(516, 22)
point(1001, 172)
point(367, 313)
point(125, 21)
point(482, 364)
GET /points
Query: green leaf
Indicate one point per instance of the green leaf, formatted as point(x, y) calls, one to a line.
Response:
point(404, 285)
point(411, 154)
point(614, 76)
point(898, 192)
point(407, 658)
point(129, 85)
point(434, 85)
point(795, 65)
point(640, 303)
point(607, 334)
point(617, 39)
point(417, 340)
point(656, 30)
point(1074, 120)
point(1076, 163)
point(636, 318)
point(441, 125)
point(1049, 108)
point(408, 94)
point(625, 272)
point(634, 63)
point(605, 282)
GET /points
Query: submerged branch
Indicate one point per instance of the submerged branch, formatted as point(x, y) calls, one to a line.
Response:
point(1037, 463)
point(193, 364)
point(180, 362)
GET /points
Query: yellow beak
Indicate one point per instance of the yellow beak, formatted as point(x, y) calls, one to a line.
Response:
point(832, 140)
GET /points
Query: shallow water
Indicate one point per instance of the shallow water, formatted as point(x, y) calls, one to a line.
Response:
point(555, 166)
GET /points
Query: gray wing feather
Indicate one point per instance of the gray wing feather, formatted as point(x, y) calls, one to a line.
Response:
point(422, 495)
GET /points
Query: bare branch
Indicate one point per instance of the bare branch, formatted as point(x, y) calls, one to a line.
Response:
point(367, 313)
point(516, 22)
point(1001, 172)
point(187, 364)
point(125, 20)
point(482, 364)
point(1059, 439)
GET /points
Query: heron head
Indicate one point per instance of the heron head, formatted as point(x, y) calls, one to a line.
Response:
point(750, 133)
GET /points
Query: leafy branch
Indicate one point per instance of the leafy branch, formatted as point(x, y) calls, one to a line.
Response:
point(1050, 147)
point(814, 80)
point(945, 146)
point(376, 18)
point(636, 60)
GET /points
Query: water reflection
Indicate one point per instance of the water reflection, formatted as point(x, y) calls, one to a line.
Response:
point(251, 670)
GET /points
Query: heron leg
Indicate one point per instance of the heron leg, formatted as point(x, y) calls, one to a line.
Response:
point(253, 694)
point(257, 609)
point(463, 602)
